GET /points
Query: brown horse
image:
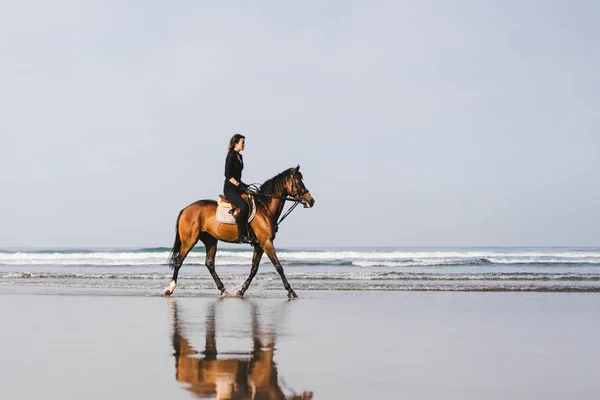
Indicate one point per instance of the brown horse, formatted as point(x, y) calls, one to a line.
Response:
point(198, 222)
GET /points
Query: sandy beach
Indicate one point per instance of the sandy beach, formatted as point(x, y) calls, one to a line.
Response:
point(326, 345)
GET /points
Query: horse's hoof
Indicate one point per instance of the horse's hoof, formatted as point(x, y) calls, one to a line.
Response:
point(224, 293)
point(240, 293)
point(170, 289)
point(292, 294)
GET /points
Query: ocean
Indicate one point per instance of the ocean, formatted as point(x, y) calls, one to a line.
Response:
point(145, 271)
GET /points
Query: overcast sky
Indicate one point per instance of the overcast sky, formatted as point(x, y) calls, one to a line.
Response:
point(416, 123)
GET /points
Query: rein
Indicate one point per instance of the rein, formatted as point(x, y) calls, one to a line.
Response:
point(297, 200)
point(286, 198)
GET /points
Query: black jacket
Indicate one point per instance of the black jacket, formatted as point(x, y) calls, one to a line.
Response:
point(234, 164)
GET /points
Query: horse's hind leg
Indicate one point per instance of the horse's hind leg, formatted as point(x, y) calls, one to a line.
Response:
point(188, 241)
point(185, 249)
point(211, 250)
point(270, 250)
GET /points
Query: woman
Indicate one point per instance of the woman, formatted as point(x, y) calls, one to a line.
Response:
point(234, 187)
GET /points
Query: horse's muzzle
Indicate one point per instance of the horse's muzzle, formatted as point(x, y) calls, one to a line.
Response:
point(308, 203)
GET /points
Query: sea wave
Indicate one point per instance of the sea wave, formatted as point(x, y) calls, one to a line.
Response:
point(364, 259)
point(308, 258)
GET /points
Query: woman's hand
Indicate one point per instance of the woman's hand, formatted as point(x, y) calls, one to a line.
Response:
point(242, 187)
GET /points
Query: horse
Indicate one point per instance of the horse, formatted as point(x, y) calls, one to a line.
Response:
point(198, 222)
point(207, 374)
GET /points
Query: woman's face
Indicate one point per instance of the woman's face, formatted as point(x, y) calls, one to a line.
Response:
point(240, 145)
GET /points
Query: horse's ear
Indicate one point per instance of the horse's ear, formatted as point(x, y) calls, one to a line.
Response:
point(297, 168)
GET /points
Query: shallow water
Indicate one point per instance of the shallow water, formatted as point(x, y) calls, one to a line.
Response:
point(113, 343)
point(357, 269)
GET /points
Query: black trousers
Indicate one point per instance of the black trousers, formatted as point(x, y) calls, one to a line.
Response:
point(233, 196)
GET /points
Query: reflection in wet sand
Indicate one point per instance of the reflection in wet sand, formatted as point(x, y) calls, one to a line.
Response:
point(252, 376)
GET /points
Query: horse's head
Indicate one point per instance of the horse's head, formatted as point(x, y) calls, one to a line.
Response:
point(295, 188)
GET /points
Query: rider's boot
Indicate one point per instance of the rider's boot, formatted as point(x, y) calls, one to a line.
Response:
point(243, 236)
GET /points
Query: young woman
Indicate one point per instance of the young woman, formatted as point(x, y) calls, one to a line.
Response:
point(234, 187)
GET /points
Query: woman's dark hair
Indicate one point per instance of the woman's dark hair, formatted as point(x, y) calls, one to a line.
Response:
point(234, 140)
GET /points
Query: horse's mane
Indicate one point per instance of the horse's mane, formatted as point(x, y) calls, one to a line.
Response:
point(274, 185)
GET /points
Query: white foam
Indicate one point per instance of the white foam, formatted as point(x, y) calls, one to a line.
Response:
point(113, 259)
point(395, 258)
point(411, 263)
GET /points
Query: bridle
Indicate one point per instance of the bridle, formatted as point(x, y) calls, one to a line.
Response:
point(297, 199)
point(295, 187)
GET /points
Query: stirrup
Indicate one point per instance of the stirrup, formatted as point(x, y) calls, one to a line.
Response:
point(242, 239)
point(252, 240)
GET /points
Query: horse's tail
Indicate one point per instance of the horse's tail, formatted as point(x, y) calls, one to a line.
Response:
point(174, 256)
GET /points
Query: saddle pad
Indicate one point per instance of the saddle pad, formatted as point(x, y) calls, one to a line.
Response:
point(224, 217)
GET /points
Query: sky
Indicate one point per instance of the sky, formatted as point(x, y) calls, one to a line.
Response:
point(415, 123)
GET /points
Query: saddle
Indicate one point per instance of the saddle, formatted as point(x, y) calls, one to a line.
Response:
point(228, 213)
point(233, 210)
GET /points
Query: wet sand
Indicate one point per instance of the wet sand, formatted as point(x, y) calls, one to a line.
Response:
point(326, 345)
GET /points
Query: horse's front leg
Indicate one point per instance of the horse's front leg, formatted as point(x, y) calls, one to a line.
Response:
point(270, 250)
point(258, 252)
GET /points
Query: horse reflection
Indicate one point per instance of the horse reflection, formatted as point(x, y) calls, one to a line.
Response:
point(253, 376)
